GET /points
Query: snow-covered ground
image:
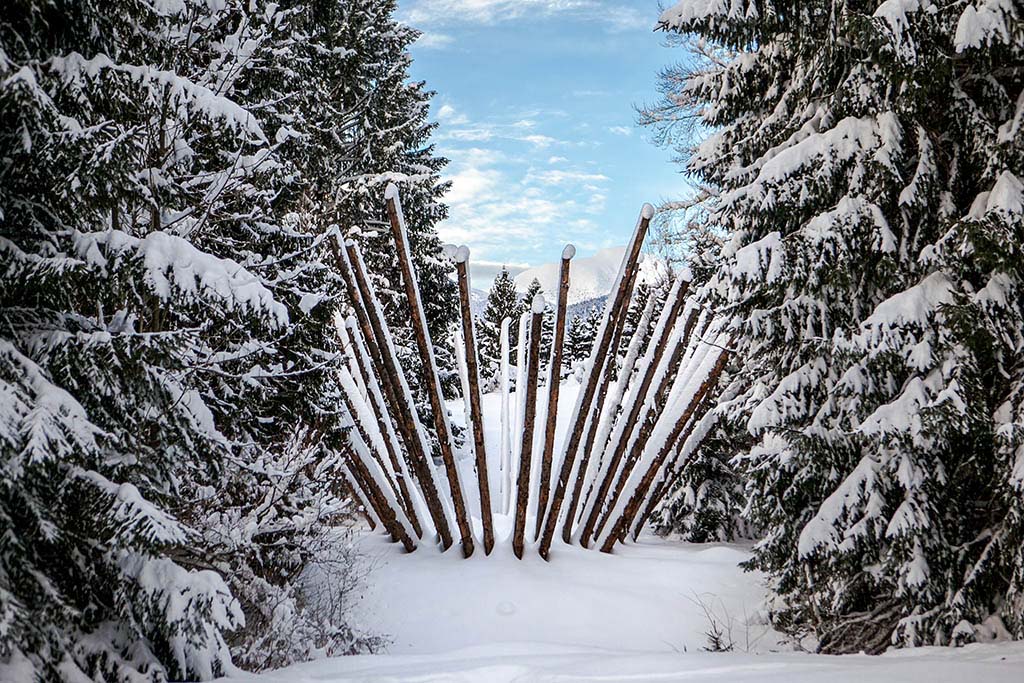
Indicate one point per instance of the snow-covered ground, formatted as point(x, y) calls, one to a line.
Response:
point(641, 614)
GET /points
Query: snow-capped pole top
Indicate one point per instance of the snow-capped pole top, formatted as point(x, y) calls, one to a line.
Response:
point(449, 251)
point(538, 303)
point(391, 191)
point(462, 254)
point(569, 252)
point(647, 211)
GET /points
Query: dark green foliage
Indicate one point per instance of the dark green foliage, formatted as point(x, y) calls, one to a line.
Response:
point(865, 171)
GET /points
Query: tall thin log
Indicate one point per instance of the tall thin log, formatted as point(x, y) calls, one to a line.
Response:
point(431, 381)
point(584, 402)
point(378, 498)
point(582, 476)
point(351, 340)
point(673, 308)
point(672, 470)
point(554, 385)
point(645, 425)
point(685, 423)
point(386, 366)
point(506, 422)
point(529, 417)
point(475, 416)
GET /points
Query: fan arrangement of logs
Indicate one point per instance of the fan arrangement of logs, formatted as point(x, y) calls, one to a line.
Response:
point(636, 420)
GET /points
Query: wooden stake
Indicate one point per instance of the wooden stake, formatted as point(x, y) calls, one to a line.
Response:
point(585, 400)
point(378, 499)
point(646, 425)
point(673, 468)
point(431, 382)
point(375, 401)
point(610, 363)
point(685, 422)
point(673, 309)
point(386, 366)
point(476, 413)
point(554, 384)
point(526, 450)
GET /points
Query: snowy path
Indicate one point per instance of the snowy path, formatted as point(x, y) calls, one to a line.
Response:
point(637, 615)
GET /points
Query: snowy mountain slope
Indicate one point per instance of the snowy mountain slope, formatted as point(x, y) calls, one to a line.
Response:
point(590, 276)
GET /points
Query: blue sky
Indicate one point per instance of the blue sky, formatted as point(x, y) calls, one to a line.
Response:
point(535, 101)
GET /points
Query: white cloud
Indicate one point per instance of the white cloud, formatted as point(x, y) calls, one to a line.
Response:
point(620, 130)
point(449, 115)
point(434, 41)
point(559, 177)
point(613, 14)
point(557, 160)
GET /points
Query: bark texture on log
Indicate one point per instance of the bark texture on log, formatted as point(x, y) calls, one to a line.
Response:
point(584, 403)
point(684, 425)
point(554, 385)
point(362, 300)
point(431, 383)
point(661, 342)
point(476, 413)
point(529, 417)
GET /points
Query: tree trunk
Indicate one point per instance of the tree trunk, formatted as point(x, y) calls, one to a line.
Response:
point(386, 366)
point(673, 309)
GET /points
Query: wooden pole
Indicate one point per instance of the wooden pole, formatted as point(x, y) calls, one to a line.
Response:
point(673, 308)
point(526, 450)
point(583, 404)
point(378, 499)
point(597, 411)
point(645, 427)
point(685, 422)
point(554, 385)
point(476, 416)
point(673, 468)
point(375, 335)
point(352, 339)
point(431, 382)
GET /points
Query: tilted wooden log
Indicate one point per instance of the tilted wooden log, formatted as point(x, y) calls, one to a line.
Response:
point(431, 381)
point(383, 504)
point(652, 359)
point(705, 420)
point(357, 495)
point(386, 366)
point(683, 423)
point(554, 385)
point(645, 425)
point(610, 362)
point(353, 344)
point(475, 415)
point(506, 420)
point(529, 417)
point(584, 402)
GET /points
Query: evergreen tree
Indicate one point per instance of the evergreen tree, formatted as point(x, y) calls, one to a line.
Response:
point(502, 302)
point(387, 140)
point(172, 445)
point(547, 325)
point(865, 163)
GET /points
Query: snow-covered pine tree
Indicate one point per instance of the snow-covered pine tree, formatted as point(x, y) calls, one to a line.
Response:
point(579, 338)
point(866, 158)
point(154, 292)
point(387, 137)
point(502, 302)
point(548, 325)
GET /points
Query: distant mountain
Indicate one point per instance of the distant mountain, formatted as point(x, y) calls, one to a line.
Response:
point(590, 277)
